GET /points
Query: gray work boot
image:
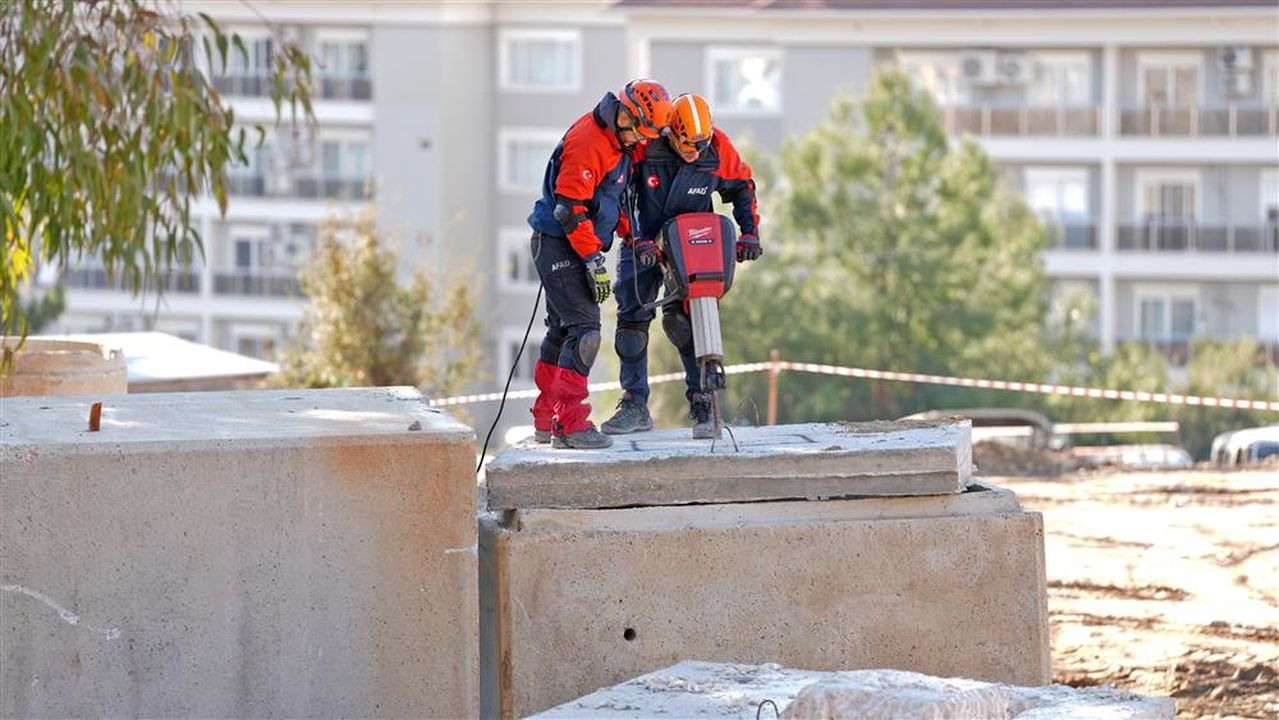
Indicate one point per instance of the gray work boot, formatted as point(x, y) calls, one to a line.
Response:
point(541, 437)
point(699, 410)
point(631, 416)
point(587, 438)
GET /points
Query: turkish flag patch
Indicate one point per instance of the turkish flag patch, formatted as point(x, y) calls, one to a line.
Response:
point(587, 174)
point(652, 180)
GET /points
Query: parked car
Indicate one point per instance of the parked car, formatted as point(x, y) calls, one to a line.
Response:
point(1245, 447)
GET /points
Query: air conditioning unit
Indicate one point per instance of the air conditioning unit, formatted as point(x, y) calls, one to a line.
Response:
point(1235, 58)
point(978, 67)
point(1015, 68)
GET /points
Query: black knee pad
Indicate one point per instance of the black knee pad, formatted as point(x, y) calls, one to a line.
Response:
point(631, 341)
point(679, 328)
point(588, 346)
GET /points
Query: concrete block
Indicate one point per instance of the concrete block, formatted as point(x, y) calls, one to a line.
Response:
point(240, 554)
point(48, 366)
point(702, 689)
point(667, 467)
point(577, 600)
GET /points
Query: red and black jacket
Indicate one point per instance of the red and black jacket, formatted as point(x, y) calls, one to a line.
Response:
point(587, 173)
point(665, 186)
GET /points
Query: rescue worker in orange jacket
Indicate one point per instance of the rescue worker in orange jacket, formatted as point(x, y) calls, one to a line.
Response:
point(573, 225)
point(669, 179)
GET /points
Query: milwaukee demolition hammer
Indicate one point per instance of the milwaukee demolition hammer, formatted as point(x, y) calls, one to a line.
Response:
point(698, 254)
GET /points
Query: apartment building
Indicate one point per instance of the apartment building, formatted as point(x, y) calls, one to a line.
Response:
point(1144, 132)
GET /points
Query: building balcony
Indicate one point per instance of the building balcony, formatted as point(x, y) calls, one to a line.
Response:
point(1164, 237)
point(243, 85)
point(1071, 235)
point(337, 87)
point(95, 278)
point(1221, 121)
point(1005, 120)
point(305, 186)
point(258, 283)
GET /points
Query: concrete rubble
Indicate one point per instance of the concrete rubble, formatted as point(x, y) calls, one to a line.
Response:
point(694, 689)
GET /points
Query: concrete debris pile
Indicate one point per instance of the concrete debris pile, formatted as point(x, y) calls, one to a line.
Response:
point(719, 690)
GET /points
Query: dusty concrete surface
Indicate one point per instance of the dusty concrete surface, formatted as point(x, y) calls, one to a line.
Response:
point(1165, 584)
point(573, 604)
point(245, 554)
point(694, 689)
point(667, 467)
point(47, 366)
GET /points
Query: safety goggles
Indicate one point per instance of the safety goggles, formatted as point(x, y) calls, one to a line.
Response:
point(697, 146)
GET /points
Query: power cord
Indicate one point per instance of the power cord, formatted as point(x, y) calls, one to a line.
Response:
point(515, 364)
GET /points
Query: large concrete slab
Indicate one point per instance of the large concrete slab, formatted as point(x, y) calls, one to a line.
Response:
point(668, 467)
point(241, 554)
point(576, 600)
point(721, 690)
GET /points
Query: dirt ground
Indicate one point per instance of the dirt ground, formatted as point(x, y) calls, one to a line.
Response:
point(1164, 584)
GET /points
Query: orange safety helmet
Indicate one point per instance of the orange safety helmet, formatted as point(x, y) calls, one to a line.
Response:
point(691, 124)
point(649, 105)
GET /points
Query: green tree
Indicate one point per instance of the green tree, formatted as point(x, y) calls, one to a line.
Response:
point(1223, 369)
point(888, 247)
point(109, 127)
point(362, 328)
point(43, 309)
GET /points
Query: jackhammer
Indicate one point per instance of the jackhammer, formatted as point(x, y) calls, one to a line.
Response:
point(698, 254)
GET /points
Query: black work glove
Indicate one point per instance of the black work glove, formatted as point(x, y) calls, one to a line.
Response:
point(748, 248)
point(597, 277)
point(646, 252)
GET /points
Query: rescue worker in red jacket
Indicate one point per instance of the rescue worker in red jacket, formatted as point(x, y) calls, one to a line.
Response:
point(573, 225)
point(672, 178)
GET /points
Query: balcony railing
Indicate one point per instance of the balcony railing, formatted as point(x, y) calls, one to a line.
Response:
point(1198, 237)
point(307, 186)
point(987, 120)
point(244, 85)
point(262, 283)
point(331, 187)
point(95, 278)
point(1071, 235)
point(337, 87)
point(1227, 121)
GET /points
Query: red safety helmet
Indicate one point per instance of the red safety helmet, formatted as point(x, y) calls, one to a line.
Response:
point(691, 124)
point(649, 105)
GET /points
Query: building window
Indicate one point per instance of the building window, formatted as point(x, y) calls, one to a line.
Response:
point(1060, 197)
point(249, 245)
point(1166, 318)
point(1268, 313)
point(937, 74)
point(508, 347)
point(1270, 66)
point(523, 157)
point(1269, 196)
point(1169, 80)
point(518, 270)
point(745, 80)
point(1061, 80)
point(1168, 197)
point(540, 60)
point(343, 68)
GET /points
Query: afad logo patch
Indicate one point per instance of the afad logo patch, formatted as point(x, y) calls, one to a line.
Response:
point(652, 181)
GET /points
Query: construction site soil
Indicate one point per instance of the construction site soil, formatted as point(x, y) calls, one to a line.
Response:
point(1163, 583)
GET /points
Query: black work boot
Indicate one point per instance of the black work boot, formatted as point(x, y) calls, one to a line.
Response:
point(631, 416)
point(699, 410)
point(587, 438)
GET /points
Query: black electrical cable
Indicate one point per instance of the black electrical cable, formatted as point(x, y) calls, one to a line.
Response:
point(509, 377)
